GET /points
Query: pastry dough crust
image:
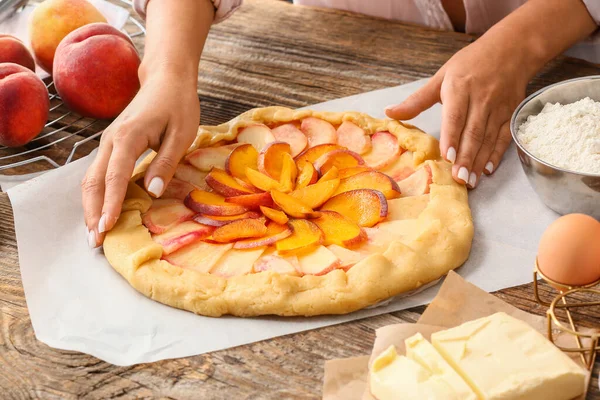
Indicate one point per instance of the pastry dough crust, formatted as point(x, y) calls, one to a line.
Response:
point(442, 243)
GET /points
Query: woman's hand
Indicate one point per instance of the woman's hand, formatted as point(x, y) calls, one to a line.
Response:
point(164, 116)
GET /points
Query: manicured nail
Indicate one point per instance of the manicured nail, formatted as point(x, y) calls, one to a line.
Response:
point(102, 224)
point(388, 108)
point(451, 155)
point(92, 239)
point(156, 186)
point(489, 167)
point(463, 174)
point(472, 179)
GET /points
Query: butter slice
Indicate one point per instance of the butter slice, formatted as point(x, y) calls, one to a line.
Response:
point(398, 377)
point(501, 357)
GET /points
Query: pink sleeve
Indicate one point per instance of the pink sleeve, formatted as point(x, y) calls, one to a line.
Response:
point(593, 7)
point(223, 8)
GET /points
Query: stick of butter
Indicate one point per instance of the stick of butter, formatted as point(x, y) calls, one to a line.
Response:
point(501, 357)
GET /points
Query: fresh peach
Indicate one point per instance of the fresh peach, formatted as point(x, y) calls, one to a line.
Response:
point(189, 173)
point(240, 229)
point(316, 195)
point(12, 50)
point(24, 105)
point(364, 206)
point(401, 169)
point(340, 230)
point(319, 261)
point(225, 184)
point(312, 154)
point(353, 137)
point(206, 158)
point(257, 135)
point(385, 152)
point(332, 173)
point(212, 204)
point(275, 233)
point(305, 236)
point(289, 173)
point(417, 183)
point(270, 159)
point(164, 215)
point(370, 180)
point(348, 258)
point(236, 262)
point(338, 158)
point(307, 175)
point(177, 189)
point(348, 172)
point(52, 20)
point(293, 136)
point(181, 235)
point(318, 131)
point(201, 256)
point(242, 157)
point(277, 263)
point(262, 181)
point(252, 201)
point(220, 220)
point(274, 215)
point(96, 71)
point(292, 206)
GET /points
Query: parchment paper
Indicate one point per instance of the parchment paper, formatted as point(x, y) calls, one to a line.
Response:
point(457, 302)
point(78, 302)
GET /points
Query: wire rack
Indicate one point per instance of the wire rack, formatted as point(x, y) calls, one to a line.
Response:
point(67, 135)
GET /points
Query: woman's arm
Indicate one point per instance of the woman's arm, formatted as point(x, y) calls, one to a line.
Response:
point(163, 116)
point(481, 85)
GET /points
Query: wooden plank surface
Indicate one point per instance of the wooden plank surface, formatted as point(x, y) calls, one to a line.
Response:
point(268, 53)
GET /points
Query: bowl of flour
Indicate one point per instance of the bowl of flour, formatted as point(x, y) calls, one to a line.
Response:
point(557, 132)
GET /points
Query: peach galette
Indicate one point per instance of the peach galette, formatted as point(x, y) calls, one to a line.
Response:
point(294, 213)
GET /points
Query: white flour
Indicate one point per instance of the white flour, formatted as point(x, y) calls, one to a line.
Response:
point(567, 136)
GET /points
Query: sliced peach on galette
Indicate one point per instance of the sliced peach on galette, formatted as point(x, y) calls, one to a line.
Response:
point(212, 204)
point(206, 158)
point(307, 174)
point(177, 189)
point(262, 181)
point(274, 215)
point(292, 206)
point(251, 201)
point(329, 175)
point(366, 207)
point(417, 183)
point(370, 180)
point(190, 174)
point(312, 154)
point(240, 158)
point(289, 173)
point(258, 135)
point(289, 133)
point(165, 214)
point(318, 131)
point(339, 230)
point(201, 256)
point(181, 235)
point(270, 159)
point(277, 263)
point(385, 150)
point(348, 172)
point(314, 196)
point(226, 185)
point(220, 220)
point(318, 262)
point(240, 229)
point(305, 236)
point(353, 137)
point(237, 262)
point(346, 256)
point(337, 158)
point(274, 233)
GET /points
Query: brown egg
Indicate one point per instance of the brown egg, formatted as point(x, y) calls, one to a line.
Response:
point(569, 251)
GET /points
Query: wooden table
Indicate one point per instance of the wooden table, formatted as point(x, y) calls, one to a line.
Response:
point(268, 53)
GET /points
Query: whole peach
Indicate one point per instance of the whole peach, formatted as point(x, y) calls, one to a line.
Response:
point(52, 20)
point(96, 71)
point(14, 51)
point(24, 105)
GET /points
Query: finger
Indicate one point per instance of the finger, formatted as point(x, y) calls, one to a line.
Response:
point(502, 143)
point(163, 166)
point(487, 147)
point(471, 141)
point(92, 193)
point(455, 108)
point(417, 102)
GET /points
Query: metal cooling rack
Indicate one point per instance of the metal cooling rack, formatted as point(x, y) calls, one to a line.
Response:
point(63, 126)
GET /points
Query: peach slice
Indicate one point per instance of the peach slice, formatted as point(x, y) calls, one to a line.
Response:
point(312, 154)
point(316, 195)
point(277, 263)
point(225, 184)
point(307, 176)
point(385, 152)
point(401, 169)
point(366, 207)
point(289, 133)
point(348, 258)
point(193, 175)
point(318, 262)
point(292, 206)
point(348, 172)
point(237, 262)
point(306, 235)
point(353, 137)
point(216, 220)
point(416, 184)
point(242, 157)
point(370, 180)
point(275, 233)
point(339, 159)
point(340, 230)
point(212, 204)
point(165, 214)
point(274, 215)
point(200, 256)
point(252, 201)
point(177, 189)
point(289, 173)
point(257, 135)
point(329, 175)
point(407, 207)
point(206, 158)
point(270, 159)
point(318, 131)
point(262, 181)
point(240, 229)
point(185, 233)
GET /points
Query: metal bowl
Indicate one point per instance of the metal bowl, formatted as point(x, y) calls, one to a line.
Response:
point(562, 190)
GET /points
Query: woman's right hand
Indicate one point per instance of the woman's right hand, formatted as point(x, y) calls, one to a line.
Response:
point(163, 116)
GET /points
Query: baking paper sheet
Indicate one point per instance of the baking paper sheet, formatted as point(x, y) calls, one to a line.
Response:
point(78, 302)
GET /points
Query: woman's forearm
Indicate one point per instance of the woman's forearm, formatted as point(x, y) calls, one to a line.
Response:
point(176, 32)
point(543, 29)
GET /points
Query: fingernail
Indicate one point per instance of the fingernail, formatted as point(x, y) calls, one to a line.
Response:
point(102, 224)
point(451, 154)
point(463, 174)
point(472, 179)
point(489, 167)
point(156, 186)
point(92, 239)
point(387, 108)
